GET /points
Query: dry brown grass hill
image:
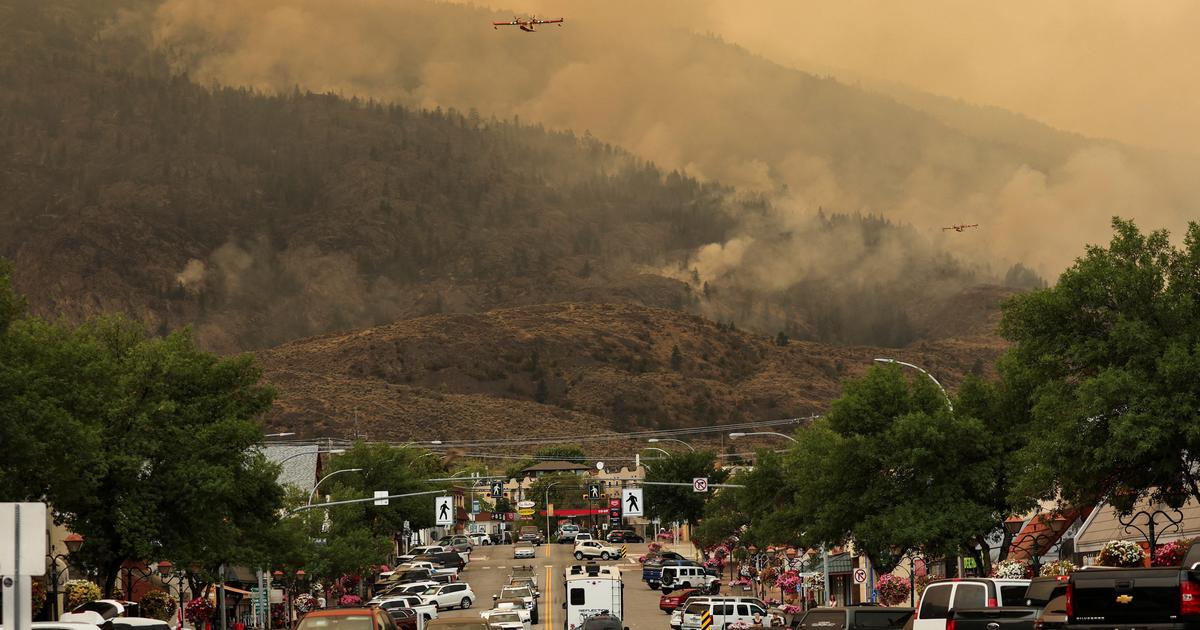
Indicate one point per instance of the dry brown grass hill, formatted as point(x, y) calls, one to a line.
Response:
point(567, 368)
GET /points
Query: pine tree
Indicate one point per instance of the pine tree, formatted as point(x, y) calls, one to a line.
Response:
point(676, 358)
point(543, 392)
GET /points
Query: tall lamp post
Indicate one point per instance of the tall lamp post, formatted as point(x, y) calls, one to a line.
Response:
point(922, 370)
point(547, 506)
point(734, 436)
point(322, 479)
point(657, 440)
point(73, 543)
point(1150, 531)
point(167, 574)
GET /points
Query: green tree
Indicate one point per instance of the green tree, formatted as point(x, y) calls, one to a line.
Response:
point(871, 468)
point(1112, 356)
point(676, 358)
point(681, 503)
point(566, 490)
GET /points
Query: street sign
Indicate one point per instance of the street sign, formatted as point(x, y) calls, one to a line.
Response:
point(593, 492)
point(381, 497)
point(614, 511)
point(475, 506)
point(860, 576)
point(443, 510)
point(497, 489)
point(23, 553)
point(524, 505)
point(631, 502)
point(700, 484)
point(525, 511)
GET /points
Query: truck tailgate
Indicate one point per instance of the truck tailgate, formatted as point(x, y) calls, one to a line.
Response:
point(1125, 596)
point(1003, 618)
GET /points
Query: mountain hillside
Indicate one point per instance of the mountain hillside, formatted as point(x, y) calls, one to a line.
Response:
point(571, 368)
point(262, 218)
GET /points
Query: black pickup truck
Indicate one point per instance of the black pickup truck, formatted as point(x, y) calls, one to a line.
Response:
point(854, 618)
point(1154, 598)
point(1043, 607)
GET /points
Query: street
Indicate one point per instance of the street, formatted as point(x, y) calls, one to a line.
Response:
point(490, 567)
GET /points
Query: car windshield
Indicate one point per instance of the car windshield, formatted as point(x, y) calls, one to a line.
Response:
point(335, 622)
point(505, 617)
point(517, 592)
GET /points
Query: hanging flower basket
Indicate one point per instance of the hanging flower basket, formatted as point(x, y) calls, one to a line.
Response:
point(80, 592)
point(305, 603)
point(37, 595)
point(1058, 567)
point(1011, 570)
point(157, 605)
point(892, 589)
point(1121, 553)
point(198, 611)
point(788, 581)
point(1172, 553)
point(349, 601)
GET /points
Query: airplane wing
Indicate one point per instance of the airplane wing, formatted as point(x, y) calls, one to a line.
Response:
point(505, 23)
point(558, 21)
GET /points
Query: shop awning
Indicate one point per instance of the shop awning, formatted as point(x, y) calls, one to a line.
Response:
point(840, 563)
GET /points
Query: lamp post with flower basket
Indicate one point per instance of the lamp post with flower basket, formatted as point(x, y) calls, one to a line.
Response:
point(73, 542)
point(1032, 543)
point(1151, 531)
point(168, 574)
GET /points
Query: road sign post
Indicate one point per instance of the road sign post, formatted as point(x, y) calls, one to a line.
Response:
point(443, 510)
point(700, 484)
point(860, 576)
point(381, 497)
point(22, 554)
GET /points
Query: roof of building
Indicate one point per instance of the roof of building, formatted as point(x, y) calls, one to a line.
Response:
point(299, 463)
point(556, 466)
point(1104, 525)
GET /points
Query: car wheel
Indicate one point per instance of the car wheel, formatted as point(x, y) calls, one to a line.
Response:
point(687, 585)
point(604, 555)
point(654, 586)
point(579, 555)
point(465, 603)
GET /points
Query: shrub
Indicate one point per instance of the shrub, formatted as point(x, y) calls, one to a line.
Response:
point(349, 600)
point(198, 611)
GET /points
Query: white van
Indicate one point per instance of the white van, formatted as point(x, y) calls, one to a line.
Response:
point(676, 577)
point(942, 596)
point(590, 590)
point(724, 610)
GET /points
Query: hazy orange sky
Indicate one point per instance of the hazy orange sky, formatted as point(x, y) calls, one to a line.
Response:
point(1105, 68)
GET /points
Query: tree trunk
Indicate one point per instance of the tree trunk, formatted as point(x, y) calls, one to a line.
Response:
point(984, 556)
point(111, 570)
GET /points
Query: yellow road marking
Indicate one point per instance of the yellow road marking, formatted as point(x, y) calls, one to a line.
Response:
point(548, 589)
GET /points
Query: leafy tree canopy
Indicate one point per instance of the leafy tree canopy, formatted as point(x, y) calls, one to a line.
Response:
point(681, 503)
point(1112, 353)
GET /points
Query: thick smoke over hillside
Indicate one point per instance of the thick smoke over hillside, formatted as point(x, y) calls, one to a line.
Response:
point(693, 103)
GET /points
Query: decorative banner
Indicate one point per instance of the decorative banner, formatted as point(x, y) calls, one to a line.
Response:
point(631, 502)
point(443, 510)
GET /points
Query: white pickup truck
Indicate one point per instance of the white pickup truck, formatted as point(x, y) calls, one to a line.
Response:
point(433, 568)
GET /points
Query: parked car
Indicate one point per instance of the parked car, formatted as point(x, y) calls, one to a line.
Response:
point(444, 559)
point(427, 612)
point(138, 623)
point(524, 550)
point(724, 610)
point(478, 539)
point(457, 543)
point(652, 568)
point(502, 538)
point(670, 601)
point(1152, 598)
point(623, 536)
point(582, 536)
point(347, 619)
point(1022, 615)
point(687, 576)
point(457, 623)
point(595, 549)
point(854, 618)
point(567, 533)
point(446, 596)
point(407, 588)
point(942, 595)
point(405, 618)
point(419, 551)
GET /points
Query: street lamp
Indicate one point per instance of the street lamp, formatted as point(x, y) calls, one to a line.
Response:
point(167, 575)
point(336, 472)
point(1151, 532)
point(918, 368)
point(657, 440)
point(655, 448)
point(336, 451)
point(73, 543)
point(285, 434)
point(547, 506)
point(734, 436)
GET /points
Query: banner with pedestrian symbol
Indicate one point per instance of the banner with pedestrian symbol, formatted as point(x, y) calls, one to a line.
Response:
point(631, 501)
point(443, 510)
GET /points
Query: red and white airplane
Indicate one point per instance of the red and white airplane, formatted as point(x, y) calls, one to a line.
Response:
point(528, 25)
